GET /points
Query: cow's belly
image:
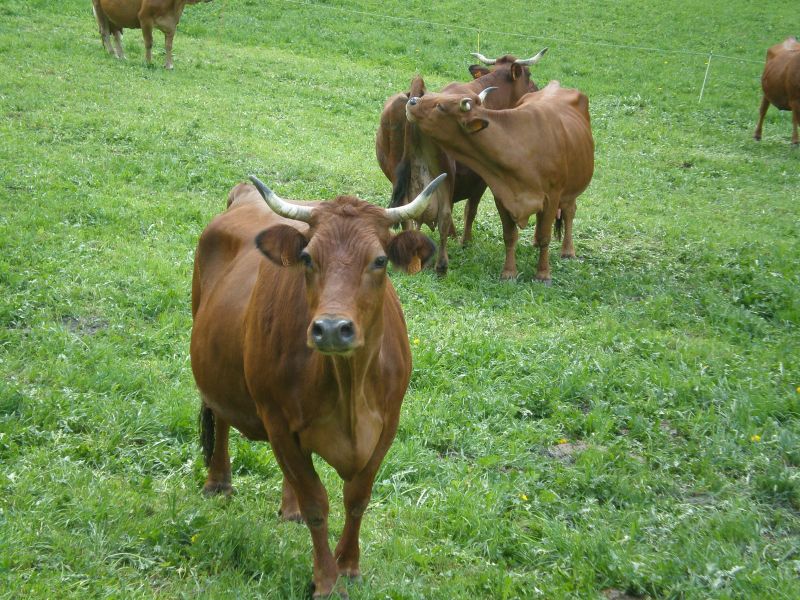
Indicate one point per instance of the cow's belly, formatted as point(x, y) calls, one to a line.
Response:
point(122, 14)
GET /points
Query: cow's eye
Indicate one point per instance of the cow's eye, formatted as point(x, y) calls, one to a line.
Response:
point(305, 258)
point(380, 262)
point(440, 107)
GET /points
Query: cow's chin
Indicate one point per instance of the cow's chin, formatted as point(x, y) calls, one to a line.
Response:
point(331, 350)
point(410, 116)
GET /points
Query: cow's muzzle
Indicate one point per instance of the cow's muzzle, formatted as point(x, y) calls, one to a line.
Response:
point(413, 101)
point(332, 334)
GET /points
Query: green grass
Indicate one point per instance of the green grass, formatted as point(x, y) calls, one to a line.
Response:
point(667, 357)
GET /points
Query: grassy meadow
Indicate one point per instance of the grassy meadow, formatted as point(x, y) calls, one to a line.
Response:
point(632, 431)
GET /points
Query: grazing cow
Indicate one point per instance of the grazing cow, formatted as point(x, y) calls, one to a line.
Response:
point(781, 84)
point(536, 157)
point(115, 15)
point(299, 339)
point(410, 159)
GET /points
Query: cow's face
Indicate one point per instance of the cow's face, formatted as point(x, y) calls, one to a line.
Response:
point(511, 77)
point(343, 258)
point(448, 117)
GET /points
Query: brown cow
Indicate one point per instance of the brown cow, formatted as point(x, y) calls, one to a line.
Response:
point(536, 157)
point(115, 15)
point(307, 348)
point(781, 84)
point(410, 159)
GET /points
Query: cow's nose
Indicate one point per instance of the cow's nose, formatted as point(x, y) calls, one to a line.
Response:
point(333, 334)
point(413, 100)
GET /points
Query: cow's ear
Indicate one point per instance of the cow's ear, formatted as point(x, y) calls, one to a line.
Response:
point(410, 250)
point(478, 71)
point(282, 244)
point(474, 125)
point(516, 71)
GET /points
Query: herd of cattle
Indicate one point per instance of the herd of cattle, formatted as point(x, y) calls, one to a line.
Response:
point(299, 337)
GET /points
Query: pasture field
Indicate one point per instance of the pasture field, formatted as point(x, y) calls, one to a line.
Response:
point(632, 429)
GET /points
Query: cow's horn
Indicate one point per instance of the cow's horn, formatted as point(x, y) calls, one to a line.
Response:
point(532, 60)
point(483, 59)
point(485, 92)
point(281, 206)
point(414, 209)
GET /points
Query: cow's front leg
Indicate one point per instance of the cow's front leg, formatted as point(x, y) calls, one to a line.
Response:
point(298, 471)
point(510, 236)
point(147, 35)
point(470, 212)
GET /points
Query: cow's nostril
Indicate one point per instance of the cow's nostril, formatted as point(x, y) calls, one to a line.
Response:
point(413, 101)
point(346, 331)
point(318, 330)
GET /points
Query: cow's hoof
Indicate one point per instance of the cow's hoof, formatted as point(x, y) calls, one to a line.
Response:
point(441, 270)
point(544, 281)
point(509, 276)
point(757, 138)
point(337, 592)
point(218, 489)
point(169, 67)
point(569, 256)
point(465, 242)
point(290, 516)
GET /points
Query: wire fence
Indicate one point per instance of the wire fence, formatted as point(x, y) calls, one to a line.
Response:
point(478, 31)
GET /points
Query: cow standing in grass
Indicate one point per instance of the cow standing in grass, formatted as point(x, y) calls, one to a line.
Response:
point(299, 339)
point(537, 157)
point(781, 84)
point(115, 15)
point(410, 159)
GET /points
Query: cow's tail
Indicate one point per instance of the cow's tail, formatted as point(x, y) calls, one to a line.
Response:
point(206, 421)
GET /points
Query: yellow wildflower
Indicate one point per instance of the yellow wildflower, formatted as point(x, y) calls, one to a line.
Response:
point(755, 438)
point(562, 441)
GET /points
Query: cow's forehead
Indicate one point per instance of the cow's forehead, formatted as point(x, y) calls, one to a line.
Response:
point(348, 225)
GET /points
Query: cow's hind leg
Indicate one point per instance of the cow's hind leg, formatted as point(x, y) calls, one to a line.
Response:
point(762, 111)
point(470, 212)
point(510, 236)
point(102, 25)
point(147, 35)
point(567, 216)
point(543, 234)
point(169, 35)
point(214, 439)
point(118, 51)
point(290, 508)
point(795, 106)
point(445, 221)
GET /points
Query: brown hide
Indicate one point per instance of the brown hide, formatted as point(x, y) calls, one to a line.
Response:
point(781, 84)
point(262, 285)
point(115, 15)
point(536, 157)
point(410, 159)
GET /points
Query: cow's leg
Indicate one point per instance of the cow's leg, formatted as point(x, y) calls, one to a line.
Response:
point(298, 471)
point(544, 231)
point(219, 463)
point(357, 493)
point(169, 35)
point(762, 111)
point(795, 106)
point(510, 236)
point(470, 212)
point(290, 509)
point(445, 221)
point(568, 214)
point(102, 25)
point(118, 51)
point(147, 35)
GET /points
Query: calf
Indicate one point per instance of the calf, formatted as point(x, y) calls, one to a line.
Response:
point(299, 339)
point(537, 157)
point(781, 84)
point(115, 15)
